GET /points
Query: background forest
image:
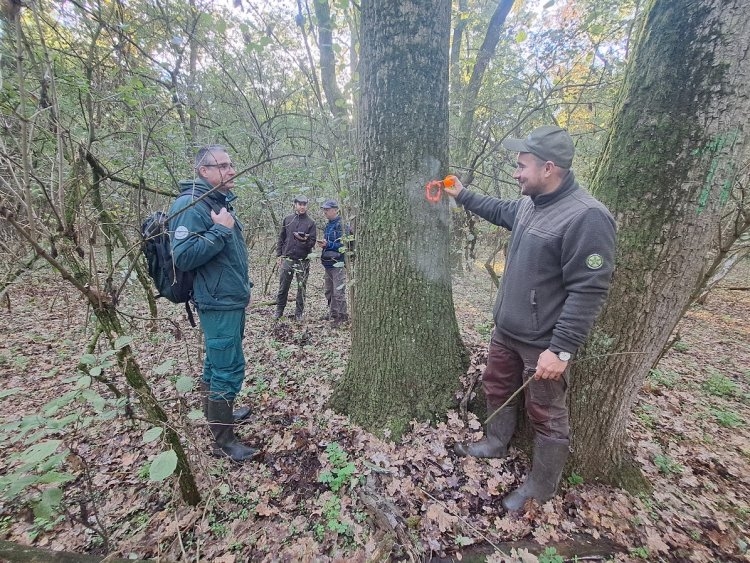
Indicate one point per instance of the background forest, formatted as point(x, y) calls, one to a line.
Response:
point(103, 106)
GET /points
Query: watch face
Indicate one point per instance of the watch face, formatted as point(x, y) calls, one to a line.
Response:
point(564, 356)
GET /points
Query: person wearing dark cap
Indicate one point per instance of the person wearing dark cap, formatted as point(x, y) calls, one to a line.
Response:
point(557, 273)
point(296, 241)
point(333, 263)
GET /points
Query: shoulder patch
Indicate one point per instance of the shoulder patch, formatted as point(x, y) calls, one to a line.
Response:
point(181, 232)
point(594, 261)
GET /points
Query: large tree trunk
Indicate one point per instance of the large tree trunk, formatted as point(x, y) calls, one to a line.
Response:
point(674, 154)
point(406, 353)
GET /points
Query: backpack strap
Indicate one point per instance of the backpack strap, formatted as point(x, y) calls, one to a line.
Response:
point(190, 311)
point(208, 203)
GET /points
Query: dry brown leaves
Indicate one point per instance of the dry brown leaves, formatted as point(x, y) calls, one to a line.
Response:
point(408, 501)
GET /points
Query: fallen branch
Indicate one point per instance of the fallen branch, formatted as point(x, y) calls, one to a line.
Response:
point(464, 405)
point(464, 522)
point(387, 518)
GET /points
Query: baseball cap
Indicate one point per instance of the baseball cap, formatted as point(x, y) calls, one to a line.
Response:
point(548, 142)
point(330, 204)
point(300, 199)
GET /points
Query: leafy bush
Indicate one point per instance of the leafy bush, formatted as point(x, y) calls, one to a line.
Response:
point(342, 469)
point(549, 555)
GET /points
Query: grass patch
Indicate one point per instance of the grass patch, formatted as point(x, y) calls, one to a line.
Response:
point(667, 465)
point(727, 419)
point(719, 385)
point(646, 415)
point(681, 346)
point(661, 378)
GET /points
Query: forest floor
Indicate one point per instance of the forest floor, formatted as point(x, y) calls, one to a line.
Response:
point(325, 490)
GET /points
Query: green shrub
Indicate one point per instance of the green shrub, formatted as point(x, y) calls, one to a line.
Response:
point(667, 465)
point(720, 385)
point(342, 469)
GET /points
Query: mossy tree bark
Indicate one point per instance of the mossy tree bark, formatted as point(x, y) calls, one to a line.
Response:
point(406, 353)
point(676, 151)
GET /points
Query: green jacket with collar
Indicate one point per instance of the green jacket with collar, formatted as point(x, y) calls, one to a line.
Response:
point(217, 254)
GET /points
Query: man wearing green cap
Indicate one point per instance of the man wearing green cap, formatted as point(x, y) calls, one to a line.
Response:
point(557, 273)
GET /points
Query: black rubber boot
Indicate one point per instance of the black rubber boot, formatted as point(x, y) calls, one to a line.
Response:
point(497, 435)
point(547, 465)
point(221, 424)
point(241, 414)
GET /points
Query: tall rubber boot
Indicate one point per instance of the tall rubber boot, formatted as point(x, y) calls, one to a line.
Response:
point(242, 413)
point(497, 435)
point(221, 424)
point(547, 465)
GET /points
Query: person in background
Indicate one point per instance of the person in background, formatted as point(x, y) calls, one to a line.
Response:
point(333, 264)
point(212, 244)
point(296, 241)
point(557, 274)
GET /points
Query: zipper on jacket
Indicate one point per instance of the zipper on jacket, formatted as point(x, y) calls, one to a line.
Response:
point(534, 311)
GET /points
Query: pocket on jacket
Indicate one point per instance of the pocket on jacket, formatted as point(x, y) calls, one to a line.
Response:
point(330, 257)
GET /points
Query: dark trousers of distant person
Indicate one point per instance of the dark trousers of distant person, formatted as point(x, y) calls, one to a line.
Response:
point(289, 270)
point(334, 286)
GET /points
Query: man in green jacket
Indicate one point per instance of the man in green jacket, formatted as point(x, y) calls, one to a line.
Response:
point(208, 238)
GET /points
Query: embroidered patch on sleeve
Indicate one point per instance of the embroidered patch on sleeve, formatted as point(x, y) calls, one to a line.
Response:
point(181, 232)
point(594, 261)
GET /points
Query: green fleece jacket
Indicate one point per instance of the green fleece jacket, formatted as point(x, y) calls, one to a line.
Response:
point(559, 264)
point(217, 254)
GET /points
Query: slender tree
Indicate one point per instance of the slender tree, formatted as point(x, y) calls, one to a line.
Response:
point(471, 92)
point(677, 149)
point(406, 352)
point(334, 97)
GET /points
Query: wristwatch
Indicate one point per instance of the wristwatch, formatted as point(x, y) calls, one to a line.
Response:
point(564, 356)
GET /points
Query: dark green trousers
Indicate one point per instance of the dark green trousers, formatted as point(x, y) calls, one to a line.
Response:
point(224, 363)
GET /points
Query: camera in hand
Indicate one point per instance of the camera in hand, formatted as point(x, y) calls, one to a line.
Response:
point(300, 235)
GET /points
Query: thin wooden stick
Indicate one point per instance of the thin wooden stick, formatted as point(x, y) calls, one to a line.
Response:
point(513, 396)
point(522, 387)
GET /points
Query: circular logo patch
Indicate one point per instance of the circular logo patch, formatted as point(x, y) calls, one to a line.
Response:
point(594, 261)
point(181, 232)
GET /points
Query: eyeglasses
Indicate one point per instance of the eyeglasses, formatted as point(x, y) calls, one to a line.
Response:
point(222, 166)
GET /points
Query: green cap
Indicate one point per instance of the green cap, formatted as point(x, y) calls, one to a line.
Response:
point(548, 142)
